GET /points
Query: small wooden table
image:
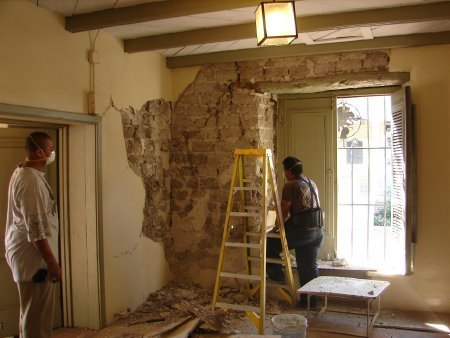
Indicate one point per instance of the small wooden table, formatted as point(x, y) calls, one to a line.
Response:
point(344, 287)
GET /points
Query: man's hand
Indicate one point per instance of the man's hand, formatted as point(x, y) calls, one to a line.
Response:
point(53, 268)
point(54, 272)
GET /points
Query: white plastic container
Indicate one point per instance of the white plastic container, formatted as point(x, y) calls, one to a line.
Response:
point(289, 325)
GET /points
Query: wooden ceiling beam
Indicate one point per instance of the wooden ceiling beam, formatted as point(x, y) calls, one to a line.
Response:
point(383, 16)
point(388, 42)
point(151, 11)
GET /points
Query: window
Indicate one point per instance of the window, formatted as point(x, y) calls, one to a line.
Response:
point(371, 227)
point(364, 179)
point(357, 147)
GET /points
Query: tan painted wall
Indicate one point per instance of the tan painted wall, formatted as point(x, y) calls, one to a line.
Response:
point(182, 77)
point(44, 66)
point(429, 287)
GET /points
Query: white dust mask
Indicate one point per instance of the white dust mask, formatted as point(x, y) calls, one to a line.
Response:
point(51, 158)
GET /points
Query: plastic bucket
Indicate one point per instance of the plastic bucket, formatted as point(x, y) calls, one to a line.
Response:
point(289, 325)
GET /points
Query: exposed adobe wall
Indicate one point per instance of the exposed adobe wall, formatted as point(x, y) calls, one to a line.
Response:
point(224, 108)
point(147, 141)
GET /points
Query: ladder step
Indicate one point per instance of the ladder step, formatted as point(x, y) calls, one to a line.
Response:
point(238, 307)
point(268, 260)
point(257, 234)
point(240, 276)
point(245, 189)
point(245, 214)
point(243, 245)
point(251, 207)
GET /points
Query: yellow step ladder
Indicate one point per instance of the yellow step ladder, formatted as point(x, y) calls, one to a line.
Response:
point(249, 203)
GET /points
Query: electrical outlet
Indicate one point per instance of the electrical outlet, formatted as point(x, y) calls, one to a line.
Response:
point(91, 103)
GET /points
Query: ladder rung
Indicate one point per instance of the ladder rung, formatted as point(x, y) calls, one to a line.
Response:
point(257, 234)
point(243, 245)
point(240, 276)
point(248, 180)
point(253, 234)
point(238, 307)
point(245, 189)
point(268, 260)
point(252, 207)
point(245, 214)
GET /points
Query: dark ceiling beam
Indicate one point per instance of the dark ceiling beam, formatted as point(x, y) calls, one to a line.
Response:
point(388, 42)
point(383, 16)
point(151, 11)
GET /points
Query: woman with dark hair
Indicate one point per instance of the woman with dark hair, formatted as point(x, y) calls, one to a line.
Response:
point(302, 219)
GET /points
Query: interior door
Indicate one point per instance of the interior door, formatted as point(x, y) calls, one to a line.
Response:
point(305, 131)
point(12, 141)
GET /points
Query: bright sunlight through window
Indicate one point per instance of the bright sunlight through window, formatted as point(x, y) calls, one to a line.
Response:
point(365, 234)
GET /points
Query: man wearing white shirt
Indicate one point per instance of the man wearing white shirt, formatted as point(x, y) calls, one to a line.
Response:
point(31, 237)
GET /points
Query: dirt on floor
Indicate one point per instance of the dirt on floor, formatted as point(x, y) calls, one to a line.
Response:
point(182, 309)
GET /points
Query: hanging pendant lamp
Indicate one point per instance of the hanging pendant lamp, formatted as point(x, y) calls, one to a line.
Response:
point(276, 23)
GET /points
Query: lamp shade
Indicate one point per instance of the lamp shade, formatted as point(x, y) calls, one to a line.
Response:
point(276, 23)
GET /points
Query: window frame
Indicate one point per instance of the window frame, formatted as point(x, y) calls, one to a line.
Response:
point(283, 149)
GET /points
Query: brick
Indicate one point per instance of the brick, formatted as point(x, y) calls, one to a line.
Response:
point(350, 66)
point(198, 159)
point(210, 98)
point(128, 132)
point(193, 99)
point(198, 146)
point(192, 183)
point(180, 195)
point(276, 74)
point(321, 69)
point(251, 75)
point(353, 56)
point(201, 123)
point(298, 72)
point(328, 58)
point(243, 98)
point(257, 64)
point(228, 120)
point(183, 123)
point(227, 76)
point(224, 66)
point(230, 132)
point(376, 62)
point(209, 183)
point(206, 74)
point(196, 111)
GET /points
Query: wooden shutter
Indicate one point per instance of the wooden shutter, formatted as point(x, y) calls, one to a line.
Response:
point(403, 167)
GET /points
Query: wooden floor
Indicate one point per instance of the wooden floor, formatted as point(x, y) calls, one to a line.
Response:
point(390, 324)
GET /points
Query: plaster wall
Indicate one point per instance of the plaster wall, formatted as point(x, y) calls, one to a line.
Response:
point(42, 65)
point(428, 288)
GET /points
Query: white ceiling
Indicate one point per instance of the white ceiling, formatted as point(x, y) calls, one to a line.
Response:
point(235, 16)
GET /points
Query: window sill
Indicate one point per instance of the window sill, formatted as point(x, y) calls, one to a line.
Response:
point(327, 269)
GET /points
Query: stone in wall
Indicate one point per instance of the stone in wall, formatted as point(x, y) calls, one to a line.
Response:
point(148, 141)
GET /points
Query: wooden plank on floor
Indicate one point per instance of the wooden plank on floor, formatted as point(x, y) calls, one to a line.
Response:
point(184, 330)
point(167, 328)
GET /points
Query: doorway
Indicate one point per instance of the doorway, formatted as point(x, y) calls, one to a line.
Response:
point(12, 141)
point(76, 181)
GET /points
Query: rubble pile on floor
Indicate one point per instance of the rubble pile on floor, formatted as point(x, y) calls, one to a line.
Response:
point(178, 300)
point(185, 307)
